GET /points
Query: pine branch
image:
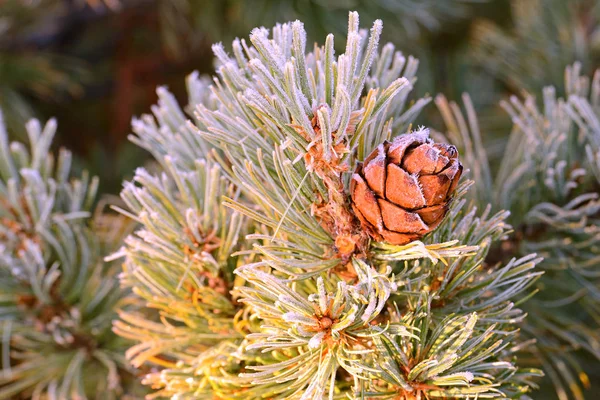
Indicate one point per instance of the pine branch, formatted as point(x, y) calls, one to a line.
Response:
point(548, 181)
point(296, 312)
point(57, 296)
point(546, 35)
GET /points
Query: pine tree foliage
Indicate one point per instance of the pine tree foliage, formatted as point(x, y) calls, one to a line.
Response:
point(546, 35)
point(549, 180)
point(256, 282)
point(57, 297)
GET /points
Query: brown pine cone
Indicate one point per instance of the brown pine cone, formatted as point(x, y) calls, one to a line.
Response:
point(403, 188)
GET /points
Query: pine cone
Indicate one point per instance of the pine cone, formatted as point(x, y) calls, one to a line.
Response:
point(403, 188)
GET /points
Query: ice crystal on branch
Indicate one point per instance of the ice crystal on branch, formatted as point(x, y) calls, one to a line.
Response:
point(307, 305)
point(314, 107)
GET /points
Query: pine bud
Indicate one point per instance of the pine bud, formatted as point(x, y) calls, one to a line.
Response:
point(403, 188)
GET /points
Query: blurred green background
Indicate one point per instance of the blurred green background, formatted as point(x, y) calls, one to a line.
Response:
point(93, 64)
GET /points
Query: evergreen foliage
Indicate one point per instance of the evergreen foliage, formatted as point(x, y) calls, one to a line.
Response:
point(549, 180)
point(298, 312)
point(245, 272)
point(544, 37)
point(57, 297)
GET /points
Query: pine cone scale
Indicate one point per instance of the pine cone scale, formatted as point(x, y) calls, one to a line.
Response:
point(435, 187)
point(375, 174)
point(422, 160)
point(366, 203)
point(396, 238)
point(433, 214)
point(399, 220)
point(402, 190)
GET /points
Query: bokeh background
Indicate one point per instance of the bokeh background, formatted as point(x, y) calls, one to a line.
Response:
point(94, 64)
